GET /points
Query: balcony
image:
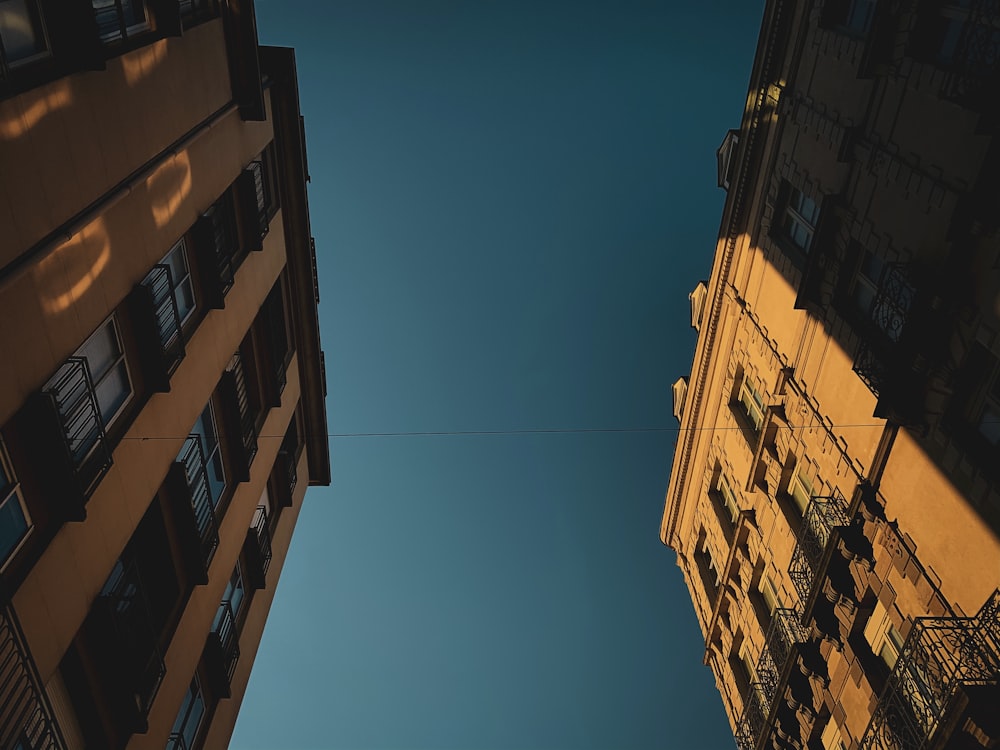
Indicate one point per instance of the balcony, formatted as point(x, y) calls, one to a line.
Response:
point(240, 416)
point(257, 549)
point(217, 249)
point(132, 664)
point(158, 326)
point(222, 651)
point(188, 487)
point(823, 515)
point(26, 718)
point(254, 200)
point(286, 476)
point(975, 61)
point(772, 669)
point(944, 682)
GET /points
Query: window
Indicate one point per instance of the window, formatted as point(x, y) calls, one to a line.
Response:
point(14, 521)
point(752, 402)
point(188, 721)
point(205, 428)
point(713, 562)
point(727, 497)
point(851, 16)
point(883, 637)
point(180, 278)
point(233, 596)
point(119, 19)
point(888, 309)
point(22, 32)
point(988, 423)
point(800, 486)
point(954, 36)
point(892, 646)
point(798, 220)
point(769, 593)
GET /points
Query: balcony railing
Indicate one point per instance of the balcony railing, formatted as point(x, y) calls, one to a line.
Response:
point(222, 650)
point(192, 458)
point(216, 241)
point(134, 635)
point(26, 718)
point(159, 316)
point(940, 655)
point(975, 61)
point(782, 635)
point(72, 393)
point(823, 515)
point(262, 199)
point(119, 19)
point(257, 548)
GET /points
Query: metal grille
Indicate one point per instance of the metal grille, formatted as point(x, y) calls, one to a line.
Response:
point(26, 718)
point(75, 399)
point(135, 635)
point(263, 534)
point(977, 53)
point(225, 632)
point(166, 315)
point(248, 427)
point(261, 192)
point(939, 655)
point(753, 719)
point(822, 515)
point(196, 473)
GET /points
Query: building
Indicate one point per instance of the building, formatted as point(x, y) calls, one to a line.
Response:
point(833, 500)
point(162, 382)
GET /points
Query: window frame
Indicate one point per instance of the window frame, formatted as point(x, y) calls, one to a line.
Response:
point(11, 492)
point(130, 32)
point(181, 245)
point(210, 454)
point(792, 212)
point(748, 396)
point(120, 359)
point(768, 593)
point(727, 496)
point(36, 18)
point(183, 715)
point(804, 477)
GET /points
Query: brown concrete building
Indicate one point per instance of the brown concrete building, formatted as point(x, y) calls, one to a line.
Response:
point(833, 500)
point(161, 379)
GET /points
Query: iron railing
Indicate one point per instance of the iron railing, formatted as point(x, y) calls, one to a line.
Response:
point(782, 635)
point(888, 314)
point(176, 741)
point(940, 655)
point(135, 634)
point(192, 458)
point(262, 533)
point(82, 425)
point(753, 719)
point(823, 515)
point(166, 314)
point(227, 640)
point(117, 19)
point(248, 420)
point(975, 61)
point(26, 717)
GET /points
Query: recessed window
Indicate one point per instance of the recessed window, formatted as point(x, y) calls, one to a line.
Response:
point(120, 19)
point(769, 593)
point(14, 520)
point(800, 486)
point(752, 402)
point(22, 32)
point(727, 497)
point(851, 16)
point(188, 721)
point(108, 370)
point(180, 278)
point(798, 219)
point(891, 647)
point(205, 428)
point(954, 36)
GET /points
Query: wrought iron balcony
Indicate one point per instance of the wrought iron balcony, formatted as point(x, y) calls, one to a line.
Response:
point(199, 495)
point(822, 516)
point(975, 60)
point(158, 321)
point(782, 635)
point(241, 413)
point(222, 650)
point(26, 718)
point(261, 198)
point(73, 398)
point(257, 549)
point(134, 637)
point(940, 656)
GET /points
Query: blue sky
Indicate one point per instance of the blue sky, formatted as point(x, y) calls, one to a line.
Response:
point(511, 201)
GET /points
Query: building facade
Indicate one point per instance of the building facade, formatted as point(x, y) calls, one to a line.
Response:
point(162, 381)
point(833, 500)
